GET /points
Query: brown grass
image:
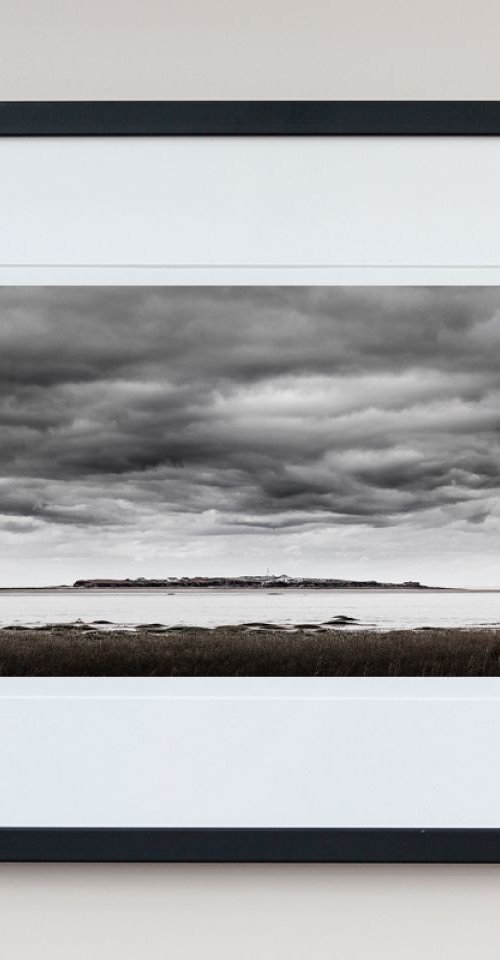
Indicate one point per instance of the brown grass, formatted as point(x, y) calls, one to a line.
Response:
point(66, 651)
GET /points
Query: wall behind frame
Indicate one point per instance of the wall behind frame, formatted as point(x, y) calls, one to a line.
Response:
point(249, 49)
point(265, 49)
point(223, 912)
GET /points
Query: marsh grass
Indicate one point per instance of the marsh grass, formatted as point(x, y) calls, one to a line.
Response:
point(66, 651)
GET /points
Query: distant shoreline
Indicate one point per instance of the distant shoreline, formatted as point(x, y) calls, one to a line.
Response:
point(99, 591)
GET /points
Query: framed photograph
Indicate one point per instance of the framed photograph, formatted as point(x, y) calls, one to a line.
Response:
point(249, 481)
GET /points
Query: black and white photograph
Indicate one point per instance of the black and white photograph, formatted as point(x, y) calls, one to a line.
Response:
point(249, 481)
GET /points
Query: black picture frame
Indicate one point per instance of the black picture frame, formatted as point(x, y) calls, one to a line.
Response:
point(248, 845)
point(256, 119)
point(265, 118)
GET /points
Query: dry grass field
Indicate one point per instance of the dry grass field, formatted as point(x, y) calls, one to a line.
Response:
point(231, 651)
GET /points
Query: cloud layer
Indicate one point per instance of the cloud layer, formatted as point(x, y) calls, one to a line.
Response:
point(324, 430)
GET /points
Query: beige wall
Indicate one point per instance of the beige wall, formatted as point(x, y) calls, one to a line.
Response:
point(249, 49)
point(249, 913)
point(267, 49)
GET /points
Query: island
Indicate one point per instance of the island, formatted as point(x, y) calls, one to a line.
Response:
point(250, 583)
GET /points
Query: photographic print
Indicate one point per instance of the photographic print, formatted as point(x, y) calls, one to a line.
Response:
point(249, 481)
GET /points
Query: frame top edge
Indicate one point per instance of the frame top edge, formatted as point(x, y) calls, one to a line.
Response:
point(245, 118)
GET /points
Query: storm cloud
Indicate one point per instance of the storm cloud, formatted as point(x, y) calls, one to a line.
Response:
point(328, 431)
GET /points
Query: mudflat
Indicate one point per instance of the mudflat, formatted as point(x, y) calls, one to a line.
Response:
point(259, 650)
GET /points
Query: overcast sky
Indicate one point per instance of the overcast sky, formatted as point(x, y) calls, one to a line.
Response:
point(344, 432)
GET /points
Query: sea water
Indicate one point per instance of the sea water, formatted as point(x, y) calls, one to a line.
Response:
point(385, 609)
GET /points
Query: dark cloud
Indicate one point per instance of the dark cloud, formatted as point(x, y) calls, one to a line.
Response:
point(72, 335)
point(257, 408)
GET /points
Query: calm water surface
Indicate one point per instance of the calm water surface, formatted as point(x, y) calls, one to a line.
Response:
point(209, 608)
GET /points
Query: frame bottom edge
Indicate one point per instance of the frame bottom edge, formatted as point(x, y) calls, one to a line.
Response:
point(249, 845)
